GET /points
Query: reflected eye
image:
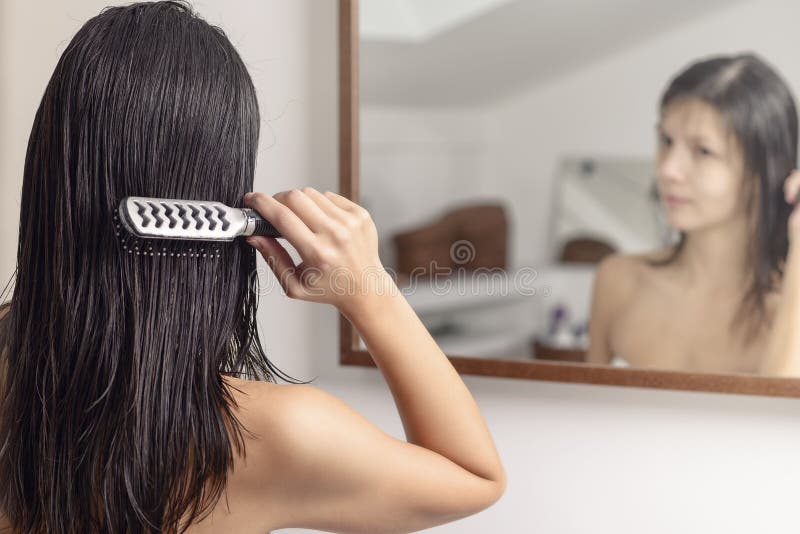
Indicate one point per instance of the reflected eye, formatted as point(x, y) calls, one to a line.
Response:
point(703, 151)
point(664, 140)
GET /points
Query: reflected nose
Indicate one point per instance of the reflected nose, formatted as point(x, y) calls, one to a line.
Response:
point(672, 165)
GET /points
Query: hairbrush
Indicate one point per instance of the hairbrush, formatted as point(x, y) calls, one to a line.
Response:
point(199, 220)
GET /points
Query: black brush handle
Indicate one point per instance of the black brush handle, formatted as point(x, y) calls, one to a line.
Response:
point(265, 228)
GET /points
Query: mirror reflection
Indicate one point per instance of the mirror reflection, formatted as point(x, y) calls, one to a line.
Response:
point(550, 184)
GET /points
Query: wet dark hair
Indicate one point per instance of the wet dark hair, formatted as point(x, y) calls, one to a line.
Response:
point(114, 414)
point(759, 111)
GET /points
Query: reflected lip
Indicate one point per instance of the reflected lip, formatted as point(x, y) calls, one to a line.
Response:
point(672, 199)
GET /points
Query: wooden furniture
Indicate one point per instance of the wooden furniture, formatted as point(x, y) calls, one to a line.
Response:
point(467, 238)
point(550, 353)
point(585, 250)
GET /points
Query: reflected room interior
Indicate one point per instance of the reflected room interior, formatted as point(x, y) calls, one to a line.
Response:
point(490, 216)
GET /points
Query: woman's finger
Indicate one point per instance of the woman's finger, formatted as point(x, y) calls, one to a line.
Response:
point(342, 202)
point(281, 263)
point(306, 209)
point(791, 187)
point(284, 220)
point(325, 204)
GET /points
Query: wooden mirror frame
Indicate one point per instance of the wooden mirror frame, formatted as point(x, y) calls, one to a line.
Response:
point(351, 354)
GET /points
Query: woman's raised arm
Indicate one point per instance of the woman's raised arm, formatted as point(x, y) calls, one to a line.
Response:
point(333, 470)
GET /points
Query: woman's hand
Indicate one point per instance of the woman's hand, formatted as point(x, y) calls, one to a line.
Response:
point(335, 237)
point(791, 189)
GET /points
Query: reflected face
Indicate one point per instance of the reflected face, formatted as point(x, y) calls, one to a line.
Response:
point(700, 167)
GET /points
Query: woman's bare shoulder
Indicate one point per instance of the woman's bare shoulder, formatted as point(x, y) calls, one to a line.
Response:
point(253, 397)
point(249, 504)
point(627, 269)
point(617, 272)
point(268, 409)
point(658, 255)
point(621, 276)
point(247, 388)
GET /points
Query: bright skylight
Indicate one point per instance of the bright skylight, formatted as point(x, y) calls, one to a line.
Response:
point(417, 20)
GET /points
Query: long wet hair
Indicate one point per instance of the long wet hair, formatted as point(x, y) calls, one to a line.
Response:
point(114, 415)
point(759, 111)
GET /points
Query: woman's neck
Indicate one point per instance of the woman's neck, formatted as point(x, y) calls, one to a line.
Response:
point(716, 257)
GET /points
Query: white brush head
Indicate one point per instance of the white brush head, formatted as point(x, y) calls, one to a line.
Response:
point(164, 218)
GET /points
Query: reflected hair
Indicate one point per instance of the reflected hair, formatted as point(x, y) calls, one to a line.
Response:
point(114, 415)
point(759, 112)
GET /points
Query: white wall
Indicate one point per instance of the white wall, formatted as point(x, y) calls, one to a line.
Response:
point(580, 458)
point(418, 163)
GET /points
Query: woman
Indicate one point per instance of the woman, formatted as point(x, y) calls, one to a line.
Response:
point(135, 391)
point(727, 141)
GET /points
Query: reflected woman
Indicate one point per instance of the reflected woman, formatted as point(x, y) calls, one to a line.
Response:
point(712, 302)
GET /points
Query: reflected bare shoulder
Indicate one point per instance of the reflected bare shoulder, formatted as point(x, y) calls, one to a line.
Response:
point(619, 274)
point(628, 271)
point(615, 281)
point(656, 255)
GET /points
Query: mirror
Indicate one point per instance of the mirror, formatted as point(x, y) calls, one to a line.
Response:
point(504, 149)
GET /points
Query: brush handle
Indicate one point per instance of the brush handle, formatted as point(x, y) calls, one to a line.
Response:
point(257, 225)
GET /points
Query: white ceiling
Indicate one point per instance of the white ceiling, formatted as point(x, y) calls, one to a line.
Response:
point(485, 49)
point(417, 20)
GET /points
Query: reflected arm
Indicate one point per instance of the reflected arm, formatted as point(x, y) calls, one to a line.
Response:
point(783, 349)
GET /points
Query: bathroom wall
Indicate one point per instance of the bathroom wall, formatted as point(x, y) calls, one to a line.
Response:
point(417, 163)
point(580, 458)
